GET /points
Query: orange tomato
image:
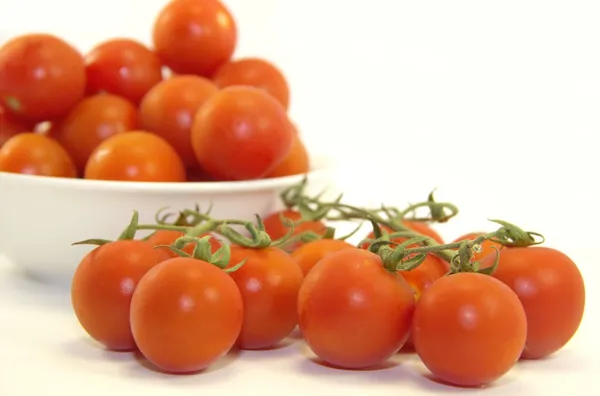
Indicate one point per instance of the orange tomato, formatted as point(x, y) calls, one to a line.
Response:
point(416, 226)
point(487, 247)
point(309, 254)
point(297, 161)
point(168, 237)
point(10, 127)
point(277, 229)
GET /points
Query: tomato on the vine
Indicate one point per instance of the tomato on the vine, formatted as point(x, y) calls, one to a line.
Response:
point(35, 154)
point(354, 313)
point(309, 254)
point(255, 72)
point(469, 329)
point(41, 77)
point(168, 110)
point(135, 156)
point(91, 121)
point(295, 163)
point(168, 237)
point(276, 228)
point(102, 287)
point(194, 36)
point(416, 226)
point(487, 247)
point(9, 126)
point(269, 282)
point(552, 291)
point(186, 314)
point(241, 133)
point(122, 67)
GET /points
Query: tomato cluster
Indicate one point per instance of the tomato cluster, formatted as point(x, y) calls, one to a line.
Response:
point(192, 291)
point(184, 109)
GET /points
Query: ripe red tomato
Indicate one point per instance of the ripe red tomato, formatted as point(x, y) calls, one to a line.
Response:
point(297, 161)
point(91, 121)
point(309, 254)
point(103, 285)
point(469, 329)
point(168, 110)
point(34, 154)
point(241, 133)
point(487, 247)
point(41, 77)
point(186, 314)
point(168, 237)
point(416, 226)
point(194, 36)
point(277, 229)
point(135, 156)
point(353, 313)
point(552, 291)
point(269, 282)
point(255, 72)
point(10, 127)
point(122, 67)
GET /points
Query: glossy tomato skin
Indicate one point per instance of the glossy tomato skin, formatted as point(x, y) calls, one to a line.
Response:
point(194, 36)
point(41, 77)
point(416, 226)
point(168, 111)
point(185, 315)
point(135, 156)
point(241, 133)
point(269, 282)
point(122, 67)
point(255, 72)
point(295, 163)
point(9, 126)
point(90, 122)
point(277, 229)
point(168, 237)
point(469, 329)
point(552, 291)
point(487, 247)
point(353, 313)
point(34, 154)
point(102, 288)
point(309, 254)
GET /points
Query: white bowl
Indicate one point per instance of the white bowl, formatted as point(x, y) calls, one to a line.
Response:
point(40, 217)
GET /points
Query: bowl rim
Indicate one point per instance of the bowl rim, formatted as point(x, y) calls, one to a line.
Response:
point(321, 164)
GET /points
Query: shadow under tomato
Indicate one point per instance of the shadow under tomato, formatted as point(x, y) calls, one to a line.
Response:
point(430, 382)
point(296, 334)
point(281, 350)
point(88, 350)
point(222, 363)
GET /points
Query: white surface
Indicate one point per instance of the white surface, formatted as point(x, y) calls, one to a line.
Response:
point(494, 103)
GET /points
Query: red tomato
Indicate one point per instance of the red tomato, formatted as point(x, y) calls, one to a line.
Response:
point(353, 313)
point(135, 156)
point(10, 127)
point(309, 254)
point(33, 154)
point(41, 77)
point(122, 67)
point(297, 161)
point(255, 72)
point(416, 226)
point(469, 329)
point(168, 237)
point(487, 247)
point(551, 290)
point(103, 285)
point(186, 314)
point(241, 133)
point(269, 282)
point(277, 229)
point(169, 108)
point(194, 36)
point(91, 121)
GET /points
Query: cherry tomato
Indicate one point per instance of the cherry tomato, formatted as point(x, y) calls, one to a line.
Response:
point(33, 154)
point(416, 226)
point(10, 127)
point(168, 237)
point(41, 77)
point(91, 121)
point(135, 156)
point(122, 67)
point(241, 133)
point(469, 329)
point(194, 36)
point(255, 72)
point(277, 229)
point(186, 314)
point(487, 247)
point(353, 313)
point(103, 285)
point(169, 108)
point(309, 254)
point(297, 161)
point(269, 282)
point(551, 290)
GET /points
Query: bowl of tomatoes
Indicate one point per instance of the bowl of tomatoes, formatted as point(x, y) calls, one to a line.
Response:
point(86, 137)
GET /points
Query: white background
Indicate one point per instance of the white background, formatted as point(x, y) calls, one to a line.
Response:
point(495, 103)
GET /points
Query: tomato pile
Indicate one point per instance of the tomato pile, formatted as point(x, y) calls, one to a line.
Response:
point(185, 109)
point(189, 292)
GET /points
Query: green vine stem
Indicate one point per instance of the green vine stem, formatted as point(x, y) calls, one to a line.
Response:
point(128, 233)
